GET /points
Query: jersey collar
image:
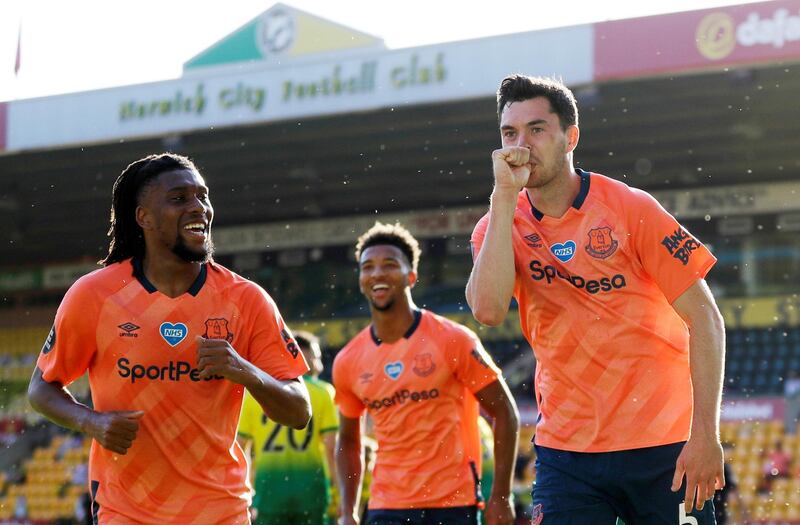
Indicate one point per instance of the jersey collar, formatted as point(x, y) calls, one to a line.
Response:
point(193, 290)
point(579, 198)
point(408, 334)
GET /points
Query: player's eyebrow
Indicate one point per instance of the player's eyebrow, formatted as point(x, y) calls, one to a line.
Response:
point(187, 186)
point(370, 260)
point(536, 122)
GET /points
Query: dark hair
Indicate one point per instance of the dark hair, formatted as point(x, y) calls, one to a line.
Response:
point(393, 235)
point(306, 340)
point(516, 88)
point(127, 238)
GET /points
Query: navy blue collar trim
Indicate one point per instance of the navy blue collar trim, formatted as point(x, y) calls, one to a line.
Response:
point(583, 192)
point(193, 290)
point(407, 335)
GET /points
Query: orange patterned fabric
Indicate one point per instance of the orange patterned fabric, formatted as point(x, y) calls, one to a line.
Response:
point(419, 393)
point(139, 348)
point(594, 289)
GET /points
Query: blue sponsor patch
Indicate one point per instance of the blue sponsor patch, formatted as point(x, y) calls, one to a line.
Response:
point(393, 370)
point(173, 333)
point(564, 252)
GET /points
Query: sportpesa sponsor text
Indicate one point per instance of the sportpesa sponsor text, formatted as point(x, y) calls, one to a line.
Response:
point(400, 397)
point(550, 273)
point(173, 371)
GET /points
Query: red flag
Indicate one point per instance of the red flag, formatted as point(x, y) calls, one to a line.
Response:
point(19, 51)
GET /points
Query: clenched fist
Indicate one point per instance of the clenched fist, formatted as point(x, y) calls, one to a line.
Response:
point(511, 168)
point(116, 430)
point(216, 357)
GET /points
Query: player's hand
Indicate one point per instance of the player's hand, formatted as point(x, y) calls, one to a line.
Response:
point(511, 169)
point(216, 357)
point(115, 431)
point(701, 461)
point(499, 511)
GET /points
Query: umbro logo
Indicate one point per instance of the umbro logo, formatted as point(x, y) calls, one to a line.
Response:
point(128, 330)
point(533, 240)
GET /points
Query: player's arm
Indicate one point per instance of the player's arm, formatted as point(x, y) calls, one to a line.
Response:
point(115, 431)
point(491, 283)
point(284, 401)
point(329, 442)
point(350, 467)
point(496, 400)
point(701, 459)
point(246, 443)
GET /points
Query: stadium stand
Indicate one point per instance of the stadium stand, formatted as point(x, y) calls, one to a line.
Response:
point(715, 140)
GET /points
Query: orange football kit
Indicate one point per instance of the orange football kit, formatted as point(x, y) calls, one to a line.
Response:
point(419, 392)
point(139, 348)
point(594, 289)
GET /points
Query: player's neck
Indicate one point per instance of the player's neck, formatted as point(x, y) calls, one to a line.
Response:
point(555, 198)
point(392, 324)
point(170, 275)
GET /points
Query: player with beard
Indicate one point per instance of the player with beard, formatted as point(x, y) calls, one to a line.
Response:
point(170, 340)
point(422, 378)
point(612, 297)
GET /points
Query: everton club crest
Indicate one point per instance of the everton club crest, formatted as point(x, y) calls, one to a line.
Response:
point(218, 329)
point(601, 244)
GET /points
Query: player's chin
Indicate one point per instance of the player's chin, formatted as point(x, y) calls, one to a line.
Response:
point(382, 306)
point(529, 182)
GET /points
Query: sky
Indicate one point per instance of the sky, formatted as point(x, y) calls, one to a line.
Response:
point(81, 45)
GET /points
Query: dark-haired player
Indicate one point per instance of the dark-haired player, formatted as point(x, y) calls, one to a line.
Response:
point(170, 340)
point(628, 339)
point(422, 379)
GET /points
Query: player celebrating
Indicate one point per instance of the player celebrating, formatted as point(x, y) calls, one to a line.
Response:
point(422, 378)
point(293, 469)
point(628, 339)
point(170, 340)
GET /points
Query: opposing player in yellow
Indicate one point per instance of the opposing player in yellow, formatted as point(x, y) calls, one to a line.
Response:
point(294, 474)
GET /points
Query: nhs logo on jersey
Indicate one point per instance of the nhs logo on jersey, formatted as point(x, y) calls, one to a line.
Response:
point(393, 370)
point(564, 252)
point(173, 333)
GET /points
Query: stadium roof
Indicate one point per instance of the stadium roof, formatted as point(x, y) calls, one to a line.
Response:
point(672, 101)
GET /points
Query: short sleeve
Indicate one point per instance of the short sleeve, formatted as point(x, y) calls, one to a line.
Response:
point(72, 342)
point(471, 363)
point(349, 404)
point(328, 417)
point(271, 346)
point(671, 255)
point(478, 234)
point(251, 415)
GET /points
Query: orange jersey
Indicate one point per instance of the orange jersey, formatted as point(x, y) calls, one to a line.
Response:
point(594, 289)
point(139, 348)
point(419, 392)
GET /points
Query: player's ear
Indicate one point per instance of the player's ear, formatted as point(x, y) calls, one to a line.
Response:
point(573, 135)
point(143, 218)
point(412, 278)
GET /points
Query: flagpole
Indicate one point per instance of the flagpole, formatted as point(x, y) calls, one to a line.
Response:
point(18, 61)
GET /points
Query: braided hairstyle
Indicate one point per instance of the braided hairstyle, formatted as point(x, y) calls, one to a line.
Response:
point(127, 238)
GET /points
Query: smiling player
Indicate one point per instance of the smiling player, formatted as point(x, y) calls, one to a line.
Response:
point(170, 340)
point(422, 379)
